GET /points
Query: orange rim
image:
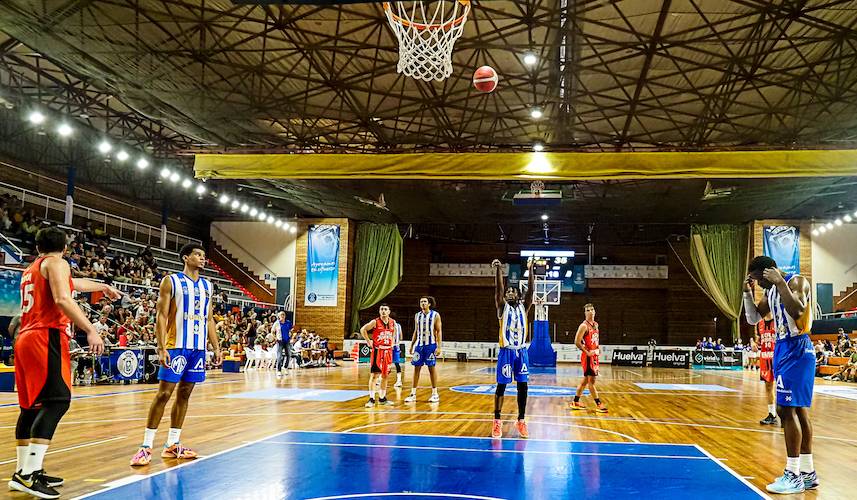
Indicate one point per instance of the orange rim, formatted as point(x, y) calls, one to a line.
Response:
point(422, 26)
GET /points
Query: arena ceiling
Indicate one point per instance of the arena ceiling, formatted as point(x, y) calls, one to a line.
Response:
point(184, 76)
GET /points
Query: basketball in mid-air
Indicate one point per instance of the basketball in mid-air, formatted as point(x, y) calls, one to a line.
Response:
point(485, 79)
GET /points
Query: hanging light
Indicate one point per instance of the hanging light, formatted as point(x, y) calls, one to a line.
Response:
point(104, 147)
point(165, 173)
point(36, 118)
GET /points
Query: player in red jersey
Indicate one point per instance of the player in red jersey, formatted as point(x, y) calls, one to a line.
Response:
point(383, 331)
point(587, 341)
point(42, 363)
point(767, 337)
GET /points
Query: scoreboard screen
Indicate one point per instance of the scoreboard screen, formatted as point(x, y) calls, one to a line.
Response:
point(552, 264)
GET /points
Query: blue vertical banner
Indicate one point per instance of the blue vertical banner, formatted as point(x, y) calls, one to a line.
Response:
point(782, 243)
point(322, 266)
point(10, 292)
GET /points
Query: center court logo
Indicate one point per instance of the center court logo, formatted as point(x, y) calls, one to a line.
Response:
point(178, 364)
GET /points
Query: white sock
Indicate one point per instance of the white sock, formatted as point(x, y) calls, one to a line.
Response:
point(372, 391)
point(34, 458)
point(173, 436)
point(398, 377)
point(772, 409)
point(806, 463)
point(149, 437)
point(383, 393)
point(413, 392)
point(434, 390)
point(793, 464)
point(21, 451)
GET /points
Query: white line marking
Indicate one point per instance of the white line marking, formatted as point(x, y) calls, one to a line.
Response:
point(186, 464)
point(735, 474)
point(397, 422)
point(633, 373)
point(75, 447)
point(407, 494)
point(538, 452)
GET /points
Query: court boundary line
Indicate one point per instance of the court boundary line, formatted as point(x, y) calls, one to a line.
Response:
point(632, 439)
point(70, 448)
point(179, 466)
point(406, 494)
point(752, 486)
point(537, 452)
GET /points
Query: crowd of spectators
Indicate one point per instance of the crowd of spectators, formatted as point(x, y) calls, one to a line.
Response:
point(842, 348)
point(16, 221)
point(710, 344)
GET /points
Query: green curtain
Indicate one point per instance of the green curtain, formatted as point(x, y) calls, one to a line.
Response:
point(378, 266)
point(719, 254)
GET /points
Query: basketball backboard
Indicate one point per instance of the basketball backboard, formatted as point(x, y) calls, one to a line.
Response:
point(547, 291)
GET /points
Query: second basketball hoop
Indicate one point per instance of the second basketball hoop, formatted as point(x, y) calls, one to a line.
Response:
point(427, 32)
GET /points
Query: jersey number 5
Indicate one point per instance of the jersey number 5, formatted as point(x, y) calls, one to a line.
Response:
point(27, 298)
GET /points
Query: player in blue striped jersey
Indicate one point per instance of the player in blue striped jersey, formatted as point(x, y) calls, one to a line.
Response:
point(425, 346)
point(183, 325)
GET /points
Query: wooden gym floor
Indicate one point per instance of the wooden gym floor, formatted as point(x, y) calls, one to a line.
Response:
point(105, 424)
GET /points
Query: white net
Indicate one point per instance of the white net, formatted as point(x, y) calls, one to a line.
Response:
point(427, 32)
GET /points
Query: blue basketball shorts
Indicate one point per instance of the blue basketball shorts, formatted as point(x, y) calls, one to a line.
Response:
point(512, 363)
point(794, 371)
point(186, 365)
point(397, 355)
point(424, 355)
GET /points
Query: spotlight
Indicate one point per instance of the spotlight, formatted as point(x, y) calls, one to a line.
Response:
point(538, 147)
point(293, 229)
point(64, 130)
point(224, 199)
point(530, 59)
point(262, 216)
point(847, 218)
point(822, 229)
point(174, 177)
point(253, 212)
point(244, 208)
point(36, 118)
point(122, 155)
point(536, 113)
point(544, 216)
point(278, 223)
point(828, 225)
point(235, 204)
point(165, 173)
point(200, 189)
point(838, 222)
point(270, 219)
point(104, 147)
point(815, 232)
point(186, 183)
point(285, 226)
point(142, 163)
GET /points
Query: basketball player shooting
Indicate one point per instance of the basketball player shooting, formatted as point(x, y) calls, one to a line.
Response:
point(788, 298)
point(183, 322)
point(512, 360)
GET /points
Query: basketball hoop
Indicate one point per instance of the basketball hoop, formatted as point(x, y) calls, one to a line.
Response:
point(536, 187)
point(427, 35)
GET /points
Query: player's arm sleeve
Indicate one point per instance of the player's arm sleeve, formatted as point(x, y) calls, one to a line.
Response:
point(751, 312)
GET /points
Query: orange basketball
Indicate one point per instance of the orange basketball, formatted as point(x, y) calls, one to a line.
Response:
point(485, 79)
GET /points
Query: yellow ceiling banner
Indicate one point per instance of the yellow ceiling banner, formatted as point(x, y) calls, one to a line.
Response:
point(521, 166)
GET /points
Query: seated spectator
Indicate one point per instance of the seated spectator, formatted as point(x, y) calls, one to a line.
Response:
point(718, 346)
point(848, 371)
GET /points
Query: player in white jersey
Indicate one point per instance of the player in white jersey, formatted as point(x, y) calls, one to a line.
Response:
point(425, 346)
point(512, 358)
point(788, 297)
point(183, 325)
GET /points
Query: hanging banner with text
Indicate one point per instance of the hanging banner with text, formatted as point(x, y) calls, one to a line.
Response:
point(782, 243)
point(322, 266)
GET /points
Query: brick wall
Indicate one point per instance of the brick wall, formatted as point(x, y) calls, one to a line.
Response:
point(673, 312)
